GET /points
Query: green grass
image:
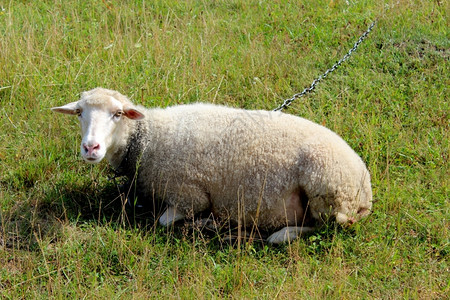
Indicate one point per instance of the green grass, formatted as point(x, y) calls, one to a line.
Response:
point(63, 232)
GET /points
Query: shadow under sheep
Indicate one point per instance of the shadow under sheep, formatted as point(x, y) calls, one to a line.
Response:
point(30, 221)
point(116, 203)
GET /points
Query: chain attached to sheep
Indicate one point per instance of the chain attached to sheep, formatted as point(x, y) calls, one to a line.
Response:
point(204, 157)
point(309, 89)
point(231, 162)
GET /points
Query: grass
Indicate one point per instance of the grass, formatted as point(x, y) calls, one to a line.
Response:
point(63, 232)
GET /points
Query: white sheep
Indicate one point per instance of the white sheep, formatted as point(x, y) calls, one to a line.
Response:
point(260, 168)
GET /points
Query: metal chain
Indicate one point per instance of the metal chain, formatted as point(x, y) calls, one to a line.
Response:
point(309, 89)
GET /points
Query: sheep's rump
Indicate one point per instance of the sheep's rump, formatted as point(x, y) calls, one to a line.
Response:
point(244, 165)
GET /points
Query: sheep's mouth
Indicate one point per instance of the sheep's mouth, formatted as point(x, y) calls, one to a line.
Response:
point(92, 160)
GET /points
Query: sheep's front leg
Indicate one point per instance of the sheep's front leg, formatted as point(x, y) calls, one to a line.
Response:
point(170, 216)
point(287, 234)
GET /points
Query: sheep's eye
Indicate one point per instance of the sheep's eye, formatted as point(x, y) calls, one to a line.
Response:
point(118, 114)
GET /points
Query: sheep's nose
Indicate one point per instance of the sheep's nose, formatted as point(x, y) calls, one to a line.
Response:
point(89, 149)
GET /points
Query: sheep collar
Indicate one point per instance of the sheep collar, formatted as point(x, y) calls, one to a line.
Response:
point(132, 152)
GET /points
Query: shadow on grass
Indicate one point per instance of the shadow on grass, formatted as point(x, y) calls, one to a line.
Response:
point(43, 214)
point(115, 204)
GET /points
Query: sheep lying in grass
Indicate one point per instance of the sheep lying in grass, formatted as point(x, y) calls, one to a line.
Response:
point(263, 168)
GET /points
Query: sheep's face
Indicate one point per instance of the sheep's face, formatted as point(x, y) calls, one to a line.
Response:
point(100, 120)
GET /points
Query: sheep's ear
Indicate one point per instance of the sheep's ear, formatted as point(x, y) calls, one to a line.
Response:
point(133, 113)
point(70, 108)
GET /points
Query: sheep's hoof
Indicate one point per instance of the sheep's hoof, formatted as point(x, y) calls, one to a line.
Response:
point(287, 234)
point(170, 216)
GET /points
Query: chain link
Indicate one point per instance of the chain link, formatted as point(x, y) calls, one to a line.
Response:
point(309, 89)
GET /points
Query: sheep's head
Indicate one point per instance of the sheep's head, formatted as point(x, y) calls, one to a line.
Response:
point(101, 113)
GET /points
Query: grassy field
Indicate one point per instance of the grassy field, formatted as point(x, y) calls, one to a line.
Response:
point(63, 231)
